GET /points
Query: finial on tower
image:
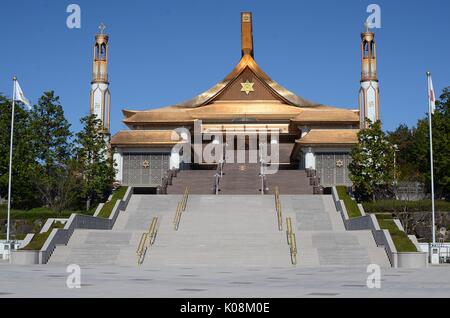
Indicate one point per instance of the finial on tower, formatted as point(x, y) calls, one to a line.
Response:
point(246, 33)
point(102, 28)
point(366, 26)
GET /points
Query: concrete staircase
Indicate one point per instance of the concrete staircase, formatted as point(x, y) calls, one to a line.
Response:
point(118, 246)
point(290, 181)
point(238, 230)
point(321, 237)
point(198, 182)
point(240, 178)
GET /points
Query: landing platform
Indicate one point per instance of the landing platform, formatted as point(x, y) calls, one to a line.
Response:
point(192, 282)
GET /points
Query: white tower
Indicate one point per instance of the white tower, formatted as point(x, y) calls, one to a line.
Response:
point(369, 93)
point(100, 98)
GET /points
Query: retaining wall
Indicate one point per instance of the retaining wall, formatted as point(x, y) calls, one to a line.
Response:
point(382, 237)
point(62, 236)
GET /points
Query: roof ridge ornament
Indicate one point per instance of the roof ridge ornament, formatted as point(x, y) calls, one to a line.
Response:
point(246, 33)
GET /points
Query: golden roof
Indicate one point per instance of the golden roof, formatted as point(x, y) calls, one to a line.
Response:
point(229, 110)
point(329, 137)
point(247, 61)
point(245, 109)
point(161, 115)
point(327, 114)
point(225, 101)
point(145, 137)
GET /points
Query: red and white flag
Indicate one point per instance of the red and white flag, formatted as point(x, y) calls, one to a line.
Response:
point(431, 95)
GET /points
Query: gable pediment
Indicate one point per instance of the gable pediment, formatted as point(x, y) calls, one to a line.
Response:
point(267, 87)
point(246, 87)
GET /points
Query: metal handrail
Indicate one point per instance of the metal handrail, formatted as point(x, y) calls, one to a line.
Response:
point(289, 230)
point(147, 239)
point(278, 209)
point(185, 198)
point(141, 244)
point(293, 249)
point(177, 218)
point(180, 208)
point(153, 231)
point(292, 241)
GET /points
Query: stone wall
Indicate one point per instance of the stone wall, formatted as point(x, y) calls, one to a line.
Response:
point(382, 237)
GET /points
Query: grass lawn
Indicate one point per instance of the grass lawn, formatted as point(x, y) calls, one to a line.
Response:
point(105, 212)
point(39, 239)
point(400, 238)
point(350, 205)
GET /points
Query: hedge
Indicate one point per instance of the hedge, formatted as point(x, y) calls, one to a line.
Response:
point(399, 206)
point(39, 213)
point(107, 208)
point(350, 205)
point(39, 239)
point(401, 240)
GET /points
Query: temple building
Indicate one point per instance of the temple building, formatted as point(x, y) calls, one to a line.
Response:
point(309, 135)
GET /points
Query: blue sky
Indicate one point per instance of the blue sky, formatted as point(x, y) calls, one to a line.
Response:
point(165, 52)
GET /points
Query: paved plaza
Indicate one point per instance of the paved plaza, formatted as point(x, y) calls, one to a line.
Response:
point(193, 282)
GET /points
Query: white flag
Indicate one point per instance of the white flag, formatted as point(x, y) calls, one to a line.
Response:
point(19, 96)
point(431, 95)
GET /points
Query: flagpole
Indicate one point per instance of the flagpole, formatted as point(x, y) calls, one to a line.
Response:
point(431, 161)
point(10, 159)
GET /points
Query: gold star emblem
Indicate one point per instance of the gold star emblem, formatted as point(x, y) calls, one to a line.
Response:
point(146, 164)
point(247, 87)
point(339, 163)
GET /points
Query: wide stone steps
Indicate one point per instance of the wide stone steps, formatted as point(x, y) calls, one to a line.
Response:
point(289, 182)
point(238, 230)
point(240, 179)
point(198, 182)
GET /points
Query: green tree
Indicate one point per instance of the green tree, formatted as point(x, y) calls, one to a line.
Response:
point(372, 166)
point(24, 164)
point(53, 151)
point(96, 164)
point(407, 165)
point(441, 146)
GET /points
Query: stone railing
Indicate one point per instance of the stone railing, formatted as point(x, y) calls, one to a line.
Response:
point(314, 181)
point(166, 181)
point(75, 221)
point(382, 237)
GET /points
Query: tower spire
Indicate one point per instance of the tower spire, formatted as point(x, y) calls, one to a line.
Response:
point(100, 95)
point(369, 93)
point(246, 33)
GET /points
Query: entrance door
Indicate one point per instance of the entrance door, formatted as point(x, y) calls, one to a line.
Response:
point(332, 168)
point(145, 169)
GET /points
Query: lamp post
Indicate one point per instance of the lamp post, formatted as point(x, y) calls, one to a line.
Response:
point(395, 162)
